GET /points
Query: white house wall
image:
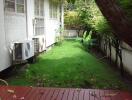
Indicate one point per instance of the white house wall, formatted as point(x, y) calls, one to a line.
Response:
point(51, 25)
point(4, 55)
point(30, 18)
point(15, 27)
point(62, 15)
point(19, 27)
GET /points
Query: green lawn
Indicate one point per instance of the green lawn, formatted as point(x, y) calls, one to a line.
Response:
point(69, 65)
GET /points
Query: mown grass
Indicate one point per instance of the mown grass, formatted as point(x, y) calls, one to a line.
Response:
point(69, 65)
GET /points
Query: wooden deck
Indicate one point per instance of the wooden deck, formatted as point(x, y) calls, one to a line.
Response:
point(32, 93)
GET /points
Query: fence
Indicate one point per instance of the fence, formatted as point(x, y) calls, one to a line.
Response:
point(126, 53)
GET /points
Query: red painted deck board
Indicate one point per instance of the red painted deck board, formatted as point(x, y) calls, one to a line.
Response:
point(55, 95)
point(34, 93)
point(60, 95)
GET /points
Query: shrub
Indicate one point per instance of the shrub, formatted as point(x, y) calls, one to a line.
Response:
point(59, 36)
point(88, 41)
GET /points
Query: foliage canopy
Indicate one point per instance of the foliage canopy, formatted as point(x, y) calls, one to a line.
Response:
point(87, 16)
point(126, 5)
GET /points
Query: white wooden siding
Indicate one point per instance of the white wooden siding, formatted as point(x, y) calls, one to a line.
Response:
point(51, 25)
point(15, 27)
point(18, 27)
point(4, 54)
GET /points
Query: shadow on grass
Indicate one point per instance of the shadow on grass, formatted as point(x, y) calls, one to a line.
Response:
point(79, 72)
point(69, 65)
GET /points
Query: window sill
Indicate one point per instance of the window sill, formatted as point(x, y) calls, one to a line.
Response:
point(38, 36)
point(15, 13)
point(40, 17)
point(56, 19)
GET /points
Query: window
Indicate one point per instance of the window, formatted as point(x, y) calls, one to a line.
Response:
point(15, 6)
point(10, 5)
point(39, 7)
point(39, 17)
point(53, 9)
point(39, 27)
point(20, 6)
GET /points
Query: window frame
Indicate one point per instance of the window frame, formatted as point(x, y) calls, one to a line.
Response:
point(15, 7)
point(39, 26)
point(39, 13)
point(53, 10)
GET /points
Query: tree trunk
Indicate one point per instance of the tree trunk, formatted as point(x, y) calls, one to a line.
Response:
point(117, 18)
